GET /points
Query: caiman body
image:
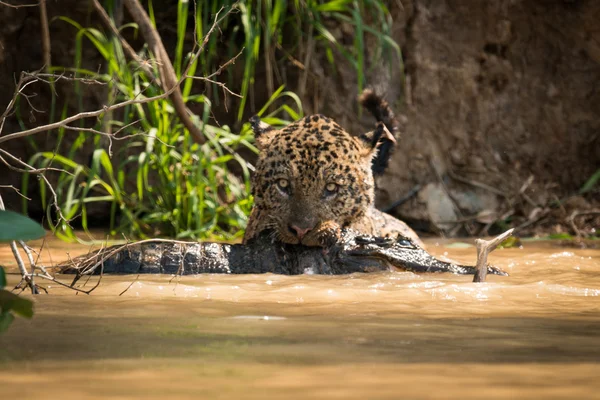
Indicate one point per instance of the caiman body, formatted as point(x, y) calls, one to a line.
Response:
point(353, 253)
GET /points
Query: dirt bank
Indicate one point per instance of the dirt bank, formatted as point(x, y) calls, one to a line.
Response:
point(500, 111)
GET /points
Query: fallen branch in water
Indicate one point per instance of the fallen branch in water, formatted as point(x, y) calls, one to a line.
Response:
point(484, 248)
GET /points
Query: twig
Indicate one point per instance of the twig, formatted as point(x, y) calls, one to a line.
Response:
point(221, 84)
point(62, 77)
point(403, 199)
point(33, 170)
point(29, 171)
point(130, 285)
point(53, 279)
point(25, 276)
point(113, 135)
point(32, 262)
point(476, 184)
point(484, 248)
point(18, 5)
point(23, 82)
point(82, 115)
point(575, 214)
point(16, 190)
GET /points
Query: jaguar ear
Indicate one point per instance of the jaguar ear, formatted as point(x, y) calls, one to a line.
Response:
point(380, 135)
point(261, 130)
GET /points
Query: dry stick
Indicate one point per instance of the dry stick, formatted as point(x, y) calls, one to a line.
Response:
point(62, 76)
point(130, 285)
point(53, 279)
point(24, 81)
point(16, 190)
point(575, 214)
point(82, 115)
point(484, 248)
point(32, 262)
point(3, 3)
point(489, 188)
point(43, 176)
point(167, 72)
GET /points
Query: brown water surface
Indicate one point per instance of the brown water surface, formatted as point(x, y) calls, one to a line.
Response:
point(535, 334)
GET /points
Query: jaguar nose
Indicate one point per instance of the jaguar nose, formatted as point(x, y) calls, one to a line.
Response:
point(298, 231)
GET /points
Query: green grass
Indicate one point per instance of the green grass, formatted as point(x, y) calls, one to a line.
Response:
point(263, 26)
point(160, 182)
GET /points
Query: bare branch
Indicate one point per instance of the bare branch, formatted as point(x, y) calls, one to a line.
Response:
point(16, 190)
point(62, 76)
point(34, 170)
point(484, 248)
point(218, 72)
point(23, 82)
point(18, 5)
point(222, 67)
point(221, 84)
point(31, 169)
point(113, 136)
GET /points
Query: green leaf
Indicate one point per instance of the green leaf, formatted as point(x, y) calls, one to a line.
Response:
point(560, 236)
point(6, 319)
point(11, 302)
point(510, 242)
point(590, 183)
point(15, 226)
point(2, 278)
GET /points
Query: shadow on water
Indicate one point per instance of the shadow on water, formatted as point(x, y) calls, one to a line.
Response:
point(304, 340)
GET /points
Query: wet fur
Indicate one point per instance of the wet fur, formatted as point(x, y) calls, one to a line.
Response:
point(311, 153)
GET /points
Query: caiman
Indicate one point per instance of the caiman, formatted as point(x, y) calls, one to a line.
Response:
point(353, 253)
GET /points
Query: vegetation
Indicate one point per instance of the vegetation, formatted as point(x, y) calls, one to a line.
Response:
point(161, 182)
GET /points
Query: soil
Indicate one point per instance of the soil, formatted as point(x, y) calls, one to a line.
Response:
point(499, 106)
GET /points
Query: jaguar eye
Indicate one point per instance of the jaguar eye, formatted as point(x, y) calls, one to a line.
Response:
point(331, 188)
point(284, 185)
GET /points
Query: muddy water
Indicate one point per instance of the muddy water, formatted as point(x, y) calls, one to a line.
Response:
point(535, 334)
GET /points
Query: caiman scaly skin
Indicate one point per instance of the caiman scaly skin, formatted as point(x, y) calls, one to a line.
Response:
point(353, 253)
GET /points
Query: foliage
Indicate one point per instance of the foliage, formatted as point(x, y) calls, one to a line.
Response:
point(160, 182)
point(510, 242)
point(591, 182)
point(15, 227)
point(294, 26)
